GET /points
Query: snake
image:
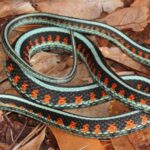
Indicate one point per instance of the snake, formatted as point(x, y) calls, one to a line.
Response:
point(44, 98)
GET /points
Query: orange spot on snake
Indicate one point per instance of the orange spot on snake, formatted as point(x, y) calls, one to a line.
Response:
point(97, 129)
point(85, 128)
point(10, 68)
point(59, 121)
point(16, 79)
point(21, 107)
point(92, 96)
point(12, 105)
point(133, 50)
point(65, 40)
point(47, 98)
point(140, 53)
point(106, 80)
point(113, 86)
point(42, 39)
point(139, 86)
point(72, 125)
point(36, 42)
point(146, 56)
point(34, 94)
point(78, 99)
point(62, 100)
point(104, 93)
point(49, 38)
point(112, 128)
point(122, 92)
point(31, 111)
point(24, 87)
point(57, 38)
point(131, 97)
point(130, 124)
point(144, 119)
point(143, 101)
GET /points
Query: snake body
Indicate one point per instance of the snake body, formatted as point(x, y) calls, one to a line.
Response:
point(45, 98)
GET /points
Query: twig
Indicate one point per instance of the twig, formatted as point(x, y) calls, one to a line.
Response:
point(13, 144)
point(9, 122)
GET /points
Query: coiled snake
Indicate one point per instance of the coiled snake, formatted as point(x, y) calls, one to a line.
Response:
point(44, 97)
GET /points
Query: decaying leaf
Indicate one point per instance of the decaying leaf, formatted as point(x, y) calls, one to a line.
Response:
point(87, 9)
point(69, 141)
point(115, 54)
point(139, 140)
point(4, 146)
point(35, 143)
point(15, 8)
point(138, 3)
point(122, 143)
point(135, 18)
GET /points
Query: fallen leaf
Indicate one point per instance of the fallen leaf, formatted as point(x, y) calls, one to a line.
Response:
point(35, 143)
point(135, 18)
point(15, 8)
point(145, 3)
point(115, 53)
point(116, 108)
point(87, 9)
point(4, 146)
point(139, 140)
point(67, 141)
point(122, 143)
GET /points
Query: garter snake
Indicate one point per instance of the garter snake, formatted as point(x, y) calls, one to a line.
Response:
point(44, 97)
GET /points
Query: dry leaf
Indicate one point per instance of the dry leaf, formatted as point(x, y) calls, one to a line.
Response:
point(4, 146)
point(87, 9)
point(146, 133)
point(122, 143)
point(93, 111)
point(135, 18)
point(145, 3)
point(115, 53)
point(4, 87)
point(139, 141)
point(14, 7)
point(111, 5)
point(67, 141)
point(34, 143)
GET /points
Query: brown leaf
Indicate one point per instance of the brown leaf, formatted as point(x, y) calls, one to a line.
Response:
point(116, 108)
point(116, 55)
point(93, 111)
point(139, 141)
point(122, 143)
point(4, 146)
point(145, 3)
point(75, 8)
point(15, 7)
point(34, 143)
point(135, 18)
point(67, 141)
